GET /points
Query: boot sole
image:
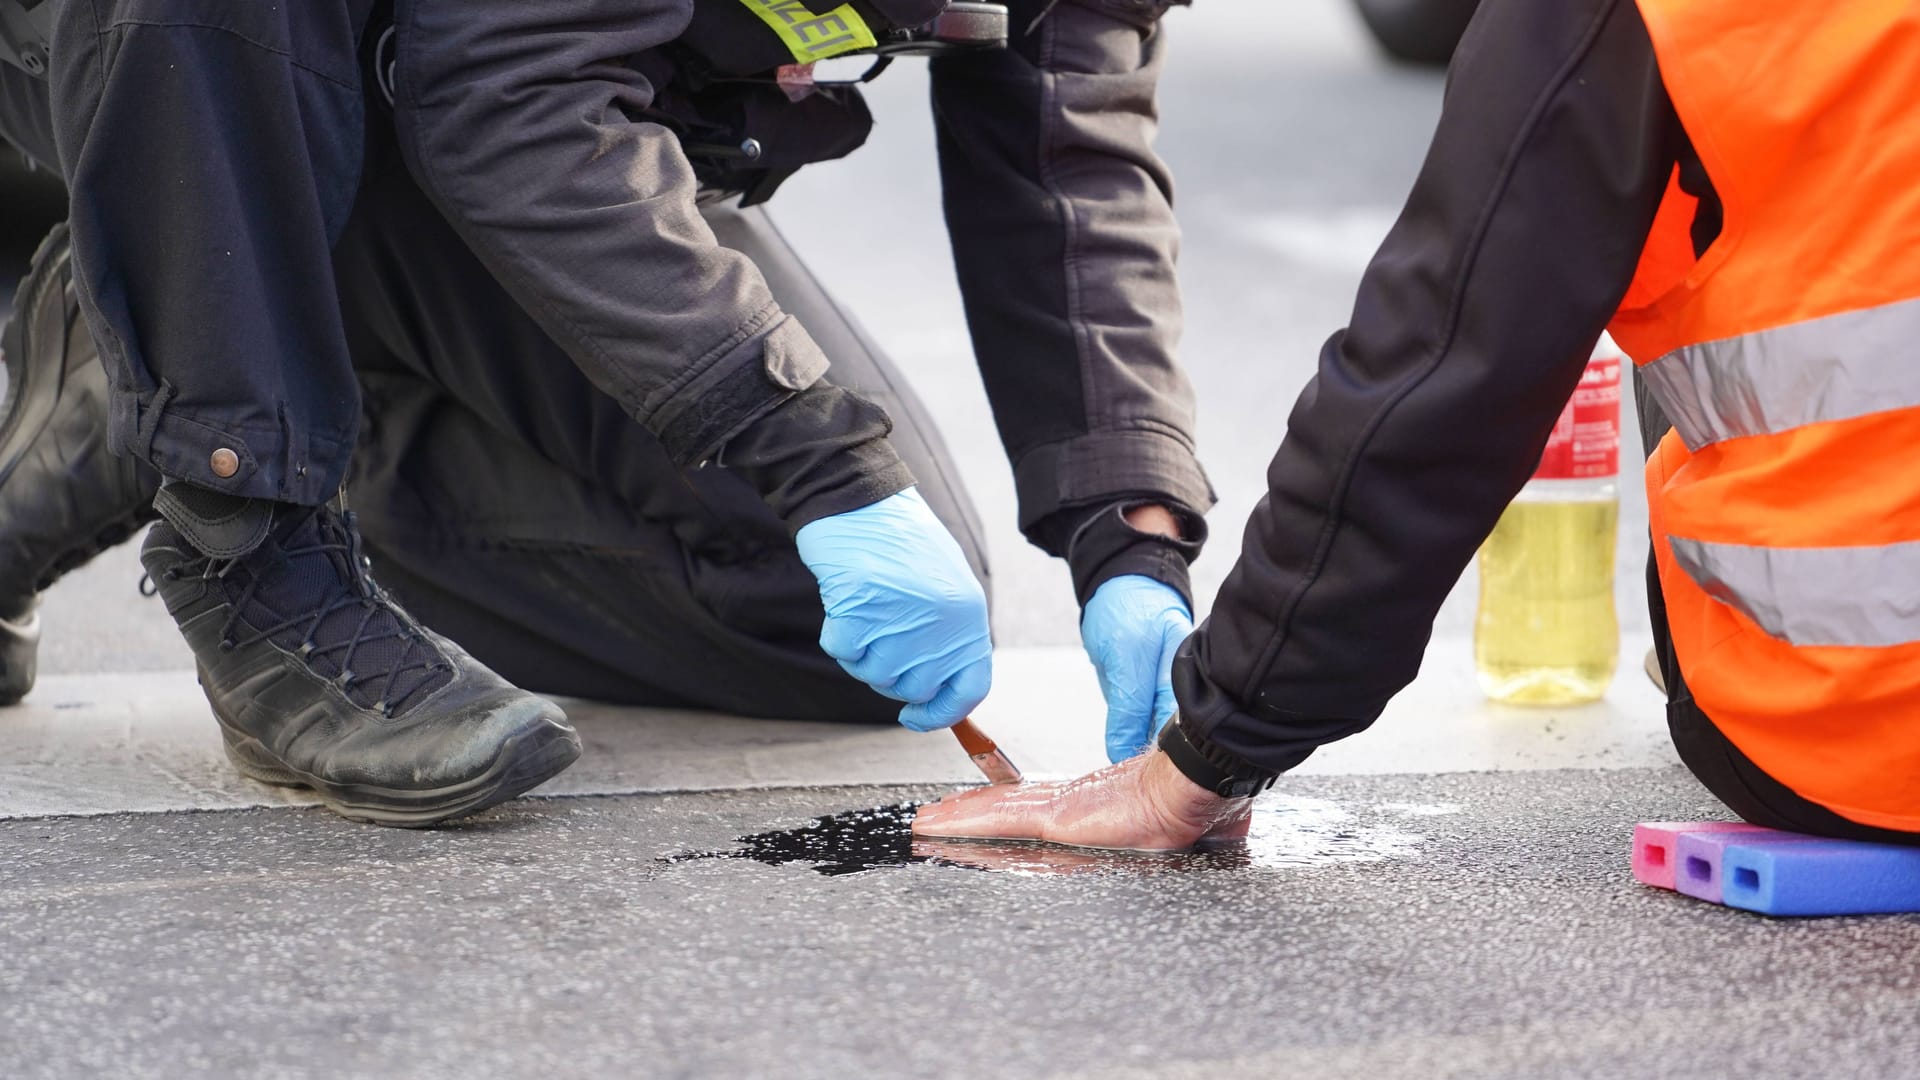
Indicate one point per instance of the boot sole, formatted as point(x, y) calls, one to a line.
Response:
point(523, 763)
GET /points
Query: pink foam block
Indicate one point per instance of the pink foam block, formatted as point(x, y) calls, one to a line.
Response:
point(1655, 846)
point(1698, 858)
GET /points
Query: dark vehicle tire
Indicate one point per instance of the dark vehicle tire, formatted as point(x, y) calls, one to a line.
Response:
point(1418, 31)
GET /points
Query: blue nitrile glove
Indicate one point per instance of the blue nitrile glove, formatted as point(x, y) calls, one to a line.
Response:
point(1131, 628)
point(905, 615)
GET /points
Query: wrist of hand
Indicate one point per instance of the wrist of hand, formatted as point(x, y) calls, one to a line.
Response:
point(1186, 807)
point(1210, 767)
point(1154, 519)
point(1148, 539)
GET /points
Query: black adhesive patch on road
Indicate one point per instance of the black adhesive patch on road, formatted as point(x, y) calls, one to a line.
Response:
point(1480, 925)
point(850, 842)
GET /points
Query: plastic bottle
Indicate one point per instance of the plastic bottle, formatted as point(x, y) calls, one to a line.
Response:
point(1547, 633)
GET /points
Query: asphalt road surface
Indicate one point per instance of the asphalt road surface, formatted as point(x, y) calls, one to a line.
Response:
point(1421, 927)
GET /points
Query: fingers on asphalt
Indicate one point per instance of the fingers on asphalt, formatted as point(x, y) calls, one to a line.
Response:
point(1001, 813)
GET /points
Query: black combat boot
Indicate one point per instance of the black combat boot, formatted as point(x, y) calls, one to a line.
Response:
point(63, 497)
point(320, 680)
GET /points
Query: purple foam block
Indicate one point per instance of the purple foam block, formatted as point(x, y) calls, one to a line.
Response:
point(1698, 858)
point(1654, 846)
point(1775, 876)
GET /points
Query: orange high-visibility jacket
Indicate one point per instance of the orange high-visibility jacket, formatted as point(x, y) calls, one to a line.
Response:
point(1786, 501)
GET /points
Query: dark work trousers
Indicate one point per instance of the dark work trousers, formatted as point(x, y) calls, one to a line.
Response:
point(1713, 758)
point(515, 507)
point(213, 151)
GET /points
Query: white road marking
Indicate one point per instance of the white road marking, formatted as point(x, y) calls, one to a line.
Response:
point(98, 744)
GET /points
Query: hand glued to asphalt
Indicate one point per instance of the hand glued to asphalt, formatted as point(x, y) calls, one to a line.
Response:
point(1142, 804)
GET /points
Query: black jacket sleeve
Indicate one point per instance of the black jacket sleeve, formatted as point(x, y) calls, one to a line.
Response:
point(1472, 325)
point(1061, 218)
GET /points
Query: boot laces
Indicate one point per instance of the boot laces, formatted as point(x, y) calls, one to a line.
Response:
point(379, 618)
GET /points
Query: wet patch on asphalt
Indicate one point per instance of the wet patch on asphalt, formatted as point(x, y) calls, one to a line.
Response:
point(1287, 832)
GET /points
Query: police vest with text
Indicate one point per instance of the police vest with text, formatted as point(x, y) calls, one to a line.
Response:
point(742, 89)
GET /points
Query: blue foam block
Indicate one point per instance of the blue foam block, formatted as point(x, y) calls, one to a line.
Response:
point(1778, 875)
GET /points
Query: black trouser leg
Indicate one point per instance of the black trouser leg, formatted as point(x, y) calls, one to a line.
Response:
point(212, 152)
point(1732, 777)
point(519, 510)
point(1749, 792)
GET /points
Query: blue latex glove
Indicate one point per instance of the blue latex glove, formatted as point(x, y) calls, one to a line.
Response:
point(1131, 628)
point(905, 615)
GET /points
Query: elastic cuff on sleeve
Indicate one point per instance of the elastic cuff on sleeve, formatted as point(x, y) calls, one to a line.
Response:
point(1106, 546)
point(1211, 767)
point(1257, 733)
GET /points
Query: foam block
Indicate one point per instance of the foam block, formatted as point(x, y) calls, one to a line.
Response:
point(1698, 869)
point(1784, 875)
point(1654, 844)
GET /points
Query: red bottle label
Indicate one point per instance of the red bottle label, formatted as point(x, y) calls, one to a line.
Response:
point(1585, 443)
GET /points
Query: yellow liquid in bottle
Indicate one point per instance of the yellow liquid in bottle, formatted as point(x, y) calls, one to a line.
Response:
point(1546, 633)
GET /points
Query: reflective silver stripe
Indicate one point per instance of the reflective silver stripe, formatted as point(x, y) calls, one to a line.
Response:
point(1813, 372)
point(1863, 597)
